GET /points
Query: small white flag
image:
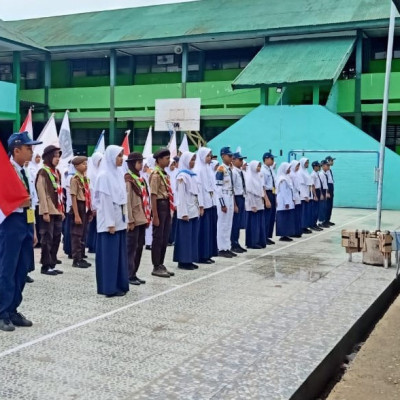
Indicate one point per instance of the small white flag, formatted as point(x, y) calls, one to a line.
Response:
point(101, 144)
point(184, 145)
point(148, 147)
point(173, 148)
point(48, 136)
point(65, 143)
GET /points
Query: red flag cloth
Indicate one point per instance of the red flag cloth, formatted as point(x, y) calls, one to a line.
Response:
point(125, 145)
point(27, 125)
point(12, 191)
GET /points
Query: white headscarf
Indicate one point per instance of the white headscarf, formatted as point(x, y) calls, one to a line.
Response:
point(186, 173)
point(254, 183)
point(307, 180)
point(213, 165)
point(204, 172)
point(283, 176)
point(295, 175)
point(94, 168)
point(110, 180)
point(34, 167)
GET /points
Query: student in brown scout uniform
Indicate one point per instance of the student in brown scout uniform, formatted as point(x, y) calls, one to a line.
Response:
point(51, 209)
point(139, 215)
point(81, 211)
point(162, 203)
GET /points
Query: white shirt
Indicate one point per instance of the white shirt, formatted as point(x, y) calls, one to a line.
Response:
point(284, 196)
point(252, 200)
point(238, 181)
point(187, 203)
point(316, 181)
point(110, 214)
point(269, 177)
point(330, 177)
point(324, 179)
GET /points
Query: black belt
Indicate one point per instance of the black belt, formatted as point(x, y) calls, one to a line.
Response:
point(163, 200)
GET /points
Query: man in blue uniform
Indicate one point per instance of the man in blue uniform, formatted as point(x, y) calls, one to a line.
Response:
point(331, 185)
point(269, 178)
point(17, 239)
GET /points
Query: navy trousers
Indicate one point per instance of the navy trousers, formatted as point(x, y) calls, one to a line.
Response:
point(255, 230)
point(237, 221)
point(315, 207)
point(112, 263)
point(270, 215)
point(16, 257)
point(329, 202)
point(186, 250)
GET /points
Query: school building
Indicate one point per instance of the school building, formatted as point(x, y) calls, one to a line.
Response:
point(109, 67)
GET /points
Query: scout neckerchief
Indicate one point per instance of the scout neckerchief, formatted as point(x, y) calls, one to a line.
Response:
point(88, 197)
point(167, 183)
point(55, 181)
point(145, 195)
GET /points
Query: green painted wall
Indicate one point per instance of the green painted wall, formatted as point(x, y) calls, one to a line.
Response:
point(8, 98)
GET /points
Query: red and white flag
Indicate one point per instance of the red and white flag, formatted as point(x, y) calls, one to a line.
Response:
point(125, 144)
point(12, 191)
point(27, 125)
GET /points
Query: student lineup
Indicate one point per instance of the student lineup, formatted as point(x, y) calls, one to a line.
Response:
point(118, 206)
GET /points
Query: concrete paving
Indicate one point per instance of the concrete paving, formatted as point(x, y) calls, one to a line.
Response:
point(254, 327)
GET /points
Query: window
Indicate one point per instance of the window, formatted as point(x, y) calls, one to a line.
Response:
point(30, 73)
point(91, 67)
point(6, 72)
point(230, 58)
point(123, 65)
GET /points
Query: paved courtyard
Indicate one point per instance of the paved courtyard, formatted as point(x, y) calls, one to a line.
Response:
point(253, 327)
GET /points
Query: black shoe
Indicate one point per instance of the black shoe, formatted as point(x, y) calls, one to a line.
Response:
point(148, 247)
point(236, 249)
point(231, 252)
point(28, 279)
point(47, 271)
point(58, 262)
point(169, 272)
point(331, 223)
point(285, 239)
point(205, 262)
point(243, 250)
point(17, 319)
point(306, 231)
point(269, 241)
point(134, 281)
point(117, 294)
point(142, 282)
point(296, 236)
point(58, 272)
point(316, 228)
point(211, 261)
point(325, 225)
point(80, 264)
point(85, 256)
point(194, 266)
point(188, 267)
point(87, 263)
point(225, 254)
point(6, 325)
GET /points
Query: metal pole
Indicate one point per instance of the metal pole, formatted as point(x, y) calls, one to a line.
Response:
point(385, 114)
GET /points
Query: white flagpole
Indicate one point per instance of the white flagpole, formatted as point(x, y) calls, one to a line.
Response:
point(385, 114)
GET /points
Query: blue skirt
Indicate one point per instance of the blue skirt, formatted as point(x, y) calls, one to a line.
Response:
point(207, 235)
point(92, 236)
point(255, 230)
point(297, 220)
point(186, 250)
point(285, 223)
point(111, 263)
point(66, 231)
point(306, 214)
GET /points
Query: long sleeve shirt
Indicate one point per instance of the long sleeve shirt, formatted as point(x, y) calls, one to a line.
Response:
point(110, 214)
point(284, 196)
point(252, 200)
point(187, 202)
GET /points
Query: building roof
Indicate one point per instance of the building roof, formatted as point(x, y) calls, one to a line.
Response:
point(301, 61)
point(181, 22)
point(15, 39)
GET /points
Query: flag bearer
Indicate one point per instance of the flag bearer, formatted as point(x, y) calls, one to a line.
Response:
point(17, 239)
point(81, 211)
point(139, 215)
point(331, 186)
point(270, 201)
point(162, 203)
point(51, 209)
point(239, 187)
point(226, 206)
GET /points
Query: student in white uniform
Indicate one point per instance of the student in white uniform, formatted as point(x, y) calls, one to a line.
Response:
point(331, 186)
point(323, 175)
point(318, 196)
point(239, 188)
point(255, 230)
point(186, 250)
point(306, 196)
point(269, 177)
point(285, 214)
point(226, 206)
point(173, 171)
point(111, 248)
point(148, 166)
point(296, 179)
point(205, 177)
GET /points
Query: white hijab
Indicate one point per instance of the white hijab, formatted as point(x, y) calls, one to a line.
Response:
point(94, 168)
point(307, 180)
point(283, 176)
point(204, 171)
point(295, 175)
point(186, 173)
point(34, 167)
point(110, 181)
point(254, 183)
